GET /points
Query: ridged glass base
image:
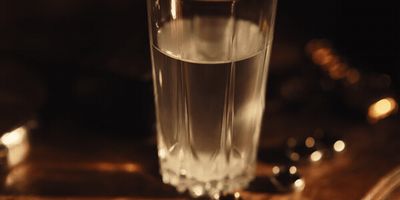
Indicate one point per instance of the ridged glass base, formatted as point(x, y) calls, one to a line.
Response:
point(213, 188)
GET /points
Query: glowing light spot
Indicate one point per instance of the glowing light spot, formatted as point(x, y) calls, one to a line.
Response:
point(310, 142)
point(129, 167)
point(292, 170)
point(216, 196)
point(316, 156)
point(382, 109)
point(339, 146)
point(275, 170)
point(198, 190)
point(299, 184)
point(14, 137)
point(316, 44)
point(17, 145)
point(183, 172)
point(162, 153)
point(113, 167)
point(236, 195)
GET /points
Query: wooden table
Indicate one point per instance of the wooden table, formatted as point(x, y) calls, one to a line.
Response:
point(68, 162)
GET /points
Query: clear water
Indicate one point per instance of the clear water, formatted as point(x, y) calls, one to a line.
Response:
point(209, 79)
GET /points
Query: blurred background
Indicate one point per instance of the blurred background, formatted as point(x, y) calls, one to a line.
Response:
point(88, 61)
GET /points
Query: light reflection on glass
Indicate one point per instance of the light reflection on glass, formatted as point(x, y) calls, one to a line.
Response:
point(17, 144)
point(382, 109)
point(173, 9)
point(160, 79)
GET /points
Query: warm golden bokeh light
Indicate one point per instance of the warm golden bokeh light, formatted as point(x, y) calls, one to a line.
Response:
point(16, 175)
point(293, 170)
point(114, 167)
point(14, 137)
point(339, 146)
point(299, 184)
point(316, 44)
point(275, 170)
point(382, 109)
point(338, 70)
point(316, 156)
point(17, 144)
point(310, 142)
point(322, 54)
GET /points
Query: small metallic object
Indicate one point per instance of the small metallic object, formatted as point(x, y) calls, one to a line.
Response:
point(287, 179)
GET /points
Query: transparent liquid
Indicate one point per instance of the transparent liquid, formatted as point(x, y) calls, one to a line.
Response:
point(209, 79)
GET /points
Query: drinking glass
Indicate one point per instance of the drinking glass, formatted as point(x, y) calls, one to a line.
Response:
point(210, 62)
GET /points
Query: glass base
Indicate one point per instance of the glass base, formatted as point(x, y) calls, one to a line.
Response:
point(214, 188)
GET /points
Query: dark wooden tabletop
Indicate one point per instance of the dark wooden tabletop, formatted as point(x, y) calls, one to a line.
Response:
point(68, 162)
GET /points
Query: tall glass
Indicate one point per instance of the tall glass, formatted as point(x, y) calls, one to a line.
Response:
point(210, 63)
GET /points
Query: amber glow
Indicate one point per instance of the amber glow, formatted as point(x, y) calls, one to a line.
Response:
point(339, 146)
point(299, 184)
point(382, 109)
point(322, 54)
point(17, 144)
point(16, 175)
point(293, 170)
point(237, 195)
point(14, 137)
point(112, 167)
point(295, 156)
point(316, 156)
point(310, 142)
point(275, 170)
